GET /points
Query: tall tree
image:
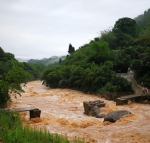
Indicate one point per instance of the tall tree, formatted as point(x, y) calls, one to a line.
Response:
point(125, 26)
point(71, 49)
point(125, 29)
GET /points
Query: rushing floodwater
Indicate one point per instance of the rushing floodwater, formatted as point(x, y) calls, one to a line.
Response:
point(62, 112)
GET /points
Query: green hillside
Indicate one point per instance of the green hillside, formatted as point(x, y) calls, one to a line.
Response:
point(92, 68)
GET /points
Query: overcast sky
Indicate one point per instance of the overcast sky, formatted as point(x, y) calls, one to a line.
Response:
point(44, 28)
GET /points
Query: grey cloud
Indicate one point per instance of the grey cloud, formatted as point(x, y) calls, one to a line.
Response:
point(38, 29)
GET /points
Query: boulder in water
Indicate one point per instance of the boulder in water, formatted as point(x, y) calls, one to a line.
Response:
point(95, 111)
point(116, 115)
point(89, 106)
point(100, 116)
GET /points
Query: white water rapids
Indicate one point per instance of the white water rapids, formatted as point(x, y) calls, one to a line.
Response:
point(62, 112)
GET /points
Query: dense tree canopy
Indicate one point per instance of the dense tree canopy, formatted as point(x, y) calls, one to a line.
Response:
point(125, 30)
point(11, 76)
point(109, 36)
point(125, 26)
point(89, 69)
point(13, 73)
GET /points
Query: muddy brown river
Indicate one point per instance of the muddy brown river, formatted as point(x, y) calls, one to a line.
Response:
point(62, 112)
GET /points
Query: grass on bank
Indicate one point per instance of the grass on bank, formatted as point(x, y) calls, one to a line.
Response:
point(13, 131)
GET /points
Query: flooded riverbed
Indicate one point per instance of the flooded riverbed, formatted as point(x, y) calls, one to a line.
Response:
point(62, 112)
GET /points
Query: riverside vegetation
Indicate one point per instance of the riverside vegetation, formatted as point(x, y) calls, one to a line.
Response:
point(91, 68)
point(12, 131)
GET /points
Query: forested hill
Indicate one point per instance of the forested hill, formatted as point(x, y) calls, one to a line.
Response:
point(55, 60)
point(143, 19)
point(93, 67)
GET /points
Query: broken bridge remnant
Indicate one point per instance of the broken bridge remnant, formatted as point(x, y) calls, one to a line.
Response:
point(136, 98)
point(34, 112)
